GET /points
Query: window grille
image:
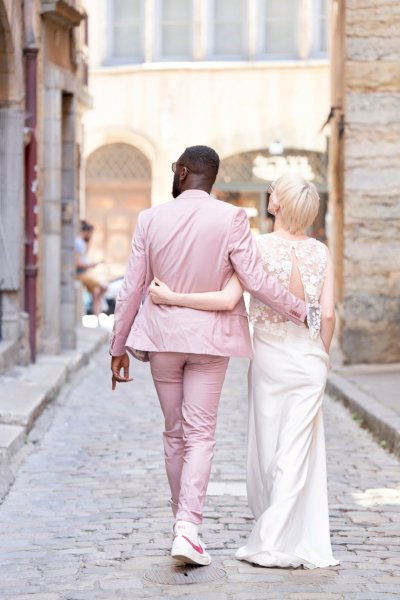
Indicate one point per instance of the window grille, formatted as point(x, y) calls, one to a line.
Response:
point(117, 161)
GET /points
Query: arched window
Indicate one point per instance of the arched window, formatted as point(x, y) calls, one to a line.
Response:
point(243, 180)
point(117, 161)
point(118, 187)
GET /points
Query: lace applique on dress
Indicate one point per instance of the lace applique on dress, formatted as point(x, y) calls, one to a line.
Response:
point(277, 257)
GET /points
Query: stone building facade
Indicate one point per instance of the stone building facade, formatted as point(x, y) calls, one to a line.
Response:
point(63, 100)
point(43, 93)
point(365, 177)
point(13, 322)
point(232, 74)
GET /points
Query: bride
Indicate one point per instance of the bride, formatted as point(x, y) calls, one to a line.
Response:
point(286, 464)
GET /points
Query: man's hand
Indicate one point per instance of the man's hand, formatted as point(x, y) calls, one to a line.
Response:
point(118, 363)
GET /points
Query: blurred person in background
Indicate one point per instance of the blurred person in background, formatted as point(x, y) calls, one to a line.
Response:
point(83, 266)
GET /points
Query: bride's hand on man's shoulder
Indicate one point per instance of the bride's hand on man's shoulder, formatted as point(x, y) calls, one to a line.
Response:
point(160, 293)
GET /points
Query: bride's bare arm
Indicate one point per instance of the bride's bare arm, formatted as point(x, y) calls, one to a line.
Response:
point(327, 301)
point(225, 299)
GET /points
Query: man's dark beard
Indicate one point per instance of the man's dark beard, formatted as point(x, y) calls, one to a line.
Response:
point(176, 190)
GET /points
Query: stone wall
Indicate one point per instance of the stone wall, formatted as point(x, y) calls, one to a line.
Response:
point(62, 98)
point(58, 202)
point(13, 330)
point(371, 194)
point(55, 33)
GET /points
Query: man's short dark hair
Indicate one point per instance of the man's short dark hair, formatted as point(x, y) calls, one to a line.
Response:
point(85, 226)
point(202, 159)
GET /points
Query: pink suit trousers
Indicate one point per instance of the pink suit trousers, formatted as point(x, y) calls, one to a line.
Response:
point(189, 388)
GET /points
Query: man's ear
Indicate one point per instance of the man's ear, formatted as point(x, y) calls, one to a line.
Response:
point(183, 174)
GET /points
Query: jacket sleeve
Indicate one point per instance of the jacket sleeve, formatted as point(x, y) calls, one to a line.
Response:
point(130, 294)
point(247, 263)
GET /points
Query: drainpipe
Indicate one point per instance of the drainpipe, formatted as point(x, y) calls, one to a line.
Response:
point(31, 266)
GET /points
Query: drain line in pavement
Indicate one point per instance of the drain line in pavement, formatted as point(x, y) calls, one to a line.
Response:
point(184, 575)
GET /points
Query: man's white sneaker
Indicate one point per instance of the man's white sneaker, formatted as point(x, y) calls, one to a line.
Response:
point(189, 552)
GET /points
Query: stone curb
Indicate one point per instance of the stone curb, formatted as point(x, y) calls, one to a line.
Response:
point(383, 422)
point(26, 391)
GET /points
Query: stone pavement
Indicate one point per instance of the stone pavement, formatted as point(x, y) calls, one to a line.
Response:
point(26, 390)
point(372, 392)
point(87, 515)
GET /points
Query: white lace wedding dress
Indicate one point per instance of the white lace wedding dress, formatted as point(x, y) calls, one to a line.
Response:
point(286, 469)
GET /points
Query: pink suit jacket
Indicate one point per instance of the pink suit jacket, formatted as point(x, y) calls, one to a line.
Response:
point(194, 244)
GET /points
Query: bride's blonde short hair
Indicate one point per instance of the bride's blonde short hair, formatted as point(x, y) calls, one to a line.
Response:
point(298, 200)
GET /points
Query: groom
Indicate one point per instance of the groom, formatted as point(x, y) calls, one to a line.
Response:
point(193, 244)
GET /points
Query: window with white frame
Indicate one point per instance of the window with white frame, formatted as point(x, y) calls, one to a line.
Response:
point(176, 31)
point(127, 26)
point(321, 33)
point(228, 28)
point(278, 28)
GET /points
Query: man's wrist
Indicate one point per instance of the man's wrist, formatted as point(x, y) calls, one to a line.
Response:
point(117, 351)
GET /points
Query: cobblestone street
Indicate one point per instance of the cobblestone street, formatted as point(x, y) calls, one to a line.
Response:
point(88, 514)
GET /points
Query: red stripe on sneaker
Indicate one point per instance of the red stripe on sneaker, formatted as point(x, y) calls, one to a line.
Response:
point(198, 549)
